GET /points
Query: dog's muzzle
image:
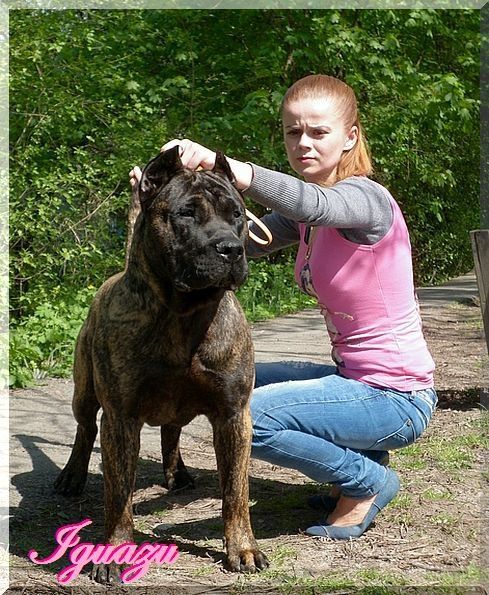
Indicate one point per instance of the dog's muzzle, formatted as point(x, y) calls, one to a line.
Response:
point(221, 264)
point(231, 251)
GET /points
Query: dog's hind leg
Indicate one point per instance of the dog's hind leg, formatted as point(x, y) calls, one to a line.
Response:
point(72, 479)
point(176, 474)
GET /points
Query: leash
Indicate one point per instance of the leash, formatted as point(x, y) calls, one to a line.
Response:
point(262, 226)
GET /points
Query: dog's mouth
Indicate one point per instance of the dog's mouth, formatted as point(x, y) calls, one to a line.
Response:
point(200, 272)
point(184, 288)
point(189, 287)
point(195, 280)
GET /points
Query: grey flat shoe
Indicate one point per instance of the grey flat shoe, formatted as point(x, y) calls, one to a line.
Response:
point(326, 503)
point(385, 495)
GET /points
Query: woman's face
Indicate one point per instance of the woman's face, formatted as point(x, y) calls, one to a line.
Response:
point(315, 138)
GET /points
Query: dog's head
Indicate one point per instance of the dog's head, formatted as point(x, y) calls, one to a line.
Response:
point(193, 224)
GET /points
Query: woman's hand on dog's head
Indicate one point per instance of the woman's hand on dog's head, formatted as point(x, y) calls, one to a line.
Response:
point(192, 155)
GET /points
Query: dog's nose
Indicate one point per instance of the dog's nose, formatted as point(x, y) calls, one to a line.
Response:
point(230, 250)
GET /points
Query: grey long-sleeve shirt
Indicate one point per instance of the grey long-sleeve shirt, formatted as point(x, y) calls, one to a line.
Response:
point(357, 206)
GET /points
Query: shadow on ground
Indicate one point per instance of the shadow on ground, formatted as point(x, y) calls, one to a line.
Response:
point(460, 400)
point(41, 511)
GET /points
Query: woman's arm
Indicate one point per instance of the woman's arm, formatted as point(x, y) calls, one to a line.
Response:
point(356, 203)
point(353, 203)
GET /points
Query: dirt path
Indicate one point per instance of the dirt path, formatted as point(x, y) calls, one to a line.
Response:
point(429, 536)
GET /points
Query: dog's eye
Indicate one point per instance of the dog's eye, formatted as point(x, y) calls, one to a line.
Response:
point(237, 214)
point(186, 212)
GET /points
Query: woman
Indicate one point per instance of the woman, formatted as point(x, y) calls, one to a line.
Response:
point(336, 424)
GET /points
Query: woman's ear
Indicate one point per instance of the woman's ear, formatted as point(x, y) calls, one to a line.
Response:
point(351, 139)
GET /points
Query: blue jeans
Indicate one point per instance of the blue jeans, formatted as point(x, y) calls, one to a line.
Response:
point(334, 430)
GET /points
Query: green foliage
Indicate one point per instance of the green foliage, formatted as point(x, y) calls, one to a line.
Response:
point(271, 291)
point(93, 92)
point(43, 343)
point(76, 129)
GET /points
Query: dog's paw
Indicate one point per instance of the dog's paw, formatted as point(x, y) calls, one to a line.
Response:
point(179, 480)
point(251, 560)
point(69, 483)
point(106, 574)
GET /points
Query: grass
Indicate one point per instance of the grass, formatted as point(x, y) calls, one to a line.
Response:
point(454, 453)
point(214, 527)
point(290, 583)
point(369, 582)
point(403, 501)
point(371, 576)
point(282, 554)
point(204, 570)
point(445, 519)
point(483, 362)
point(161, 514)
point(294, 497)
point(482, 424)
point(436, 494)
point(472, 575)
point(450, 454)
point(281, 558)
point(411, 458)
point(142, 525)
point(472, 318)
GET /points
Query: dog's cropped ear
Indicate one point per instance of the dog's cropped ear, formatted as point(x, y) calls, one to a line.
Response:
point(222, 167)
point(157, 173)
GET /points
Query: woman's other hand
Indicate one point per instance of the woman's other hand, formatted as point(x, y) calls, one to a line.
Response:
point(134, 177)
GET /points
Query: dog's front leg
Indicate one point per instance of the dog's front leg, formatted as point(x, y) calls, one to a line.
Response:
point(120, 439)
point(232, 443)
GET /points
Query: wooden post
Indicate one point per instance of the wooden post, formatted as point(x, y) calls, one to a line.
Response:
point(480, 250)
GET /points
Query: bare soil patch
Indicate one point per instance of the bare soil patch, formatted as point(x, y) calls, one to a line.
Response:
point(430, 539)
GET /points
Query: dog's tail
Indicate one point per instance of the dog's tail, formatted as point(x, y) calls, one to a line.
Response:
point(132, 215)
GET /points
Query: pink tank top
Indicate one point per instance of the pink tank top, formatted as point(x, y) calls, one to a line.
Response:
point(367, 297)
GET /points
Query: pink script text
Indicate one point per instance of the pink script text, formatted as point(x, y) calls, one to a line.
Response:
point(138, 557)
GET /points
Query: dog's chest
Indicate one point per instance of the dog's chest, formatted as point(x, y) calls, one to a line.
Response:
point(168, 369)
point(177, 396)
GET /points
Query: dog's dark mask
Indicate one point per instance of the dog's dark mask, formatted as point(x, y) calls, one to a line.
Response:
point(198, 223)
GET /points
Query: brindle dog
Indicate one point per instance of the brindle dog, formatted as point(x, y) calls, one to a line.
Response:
point(166, 340)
